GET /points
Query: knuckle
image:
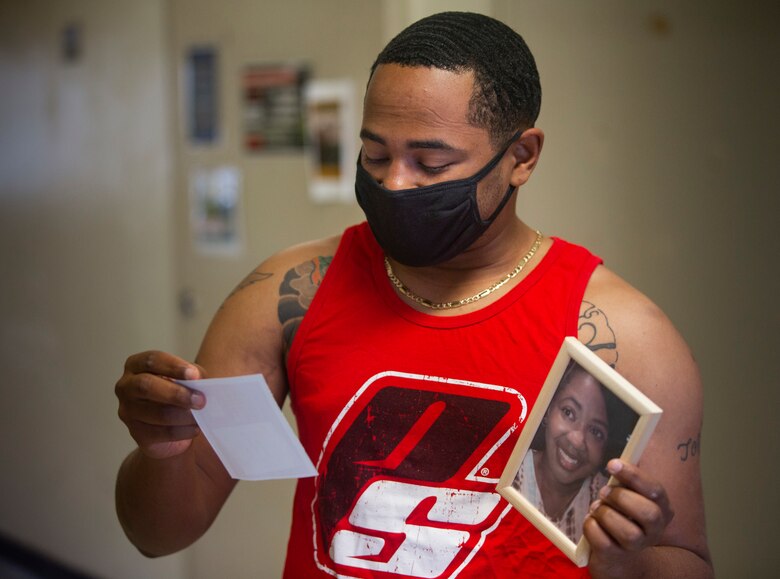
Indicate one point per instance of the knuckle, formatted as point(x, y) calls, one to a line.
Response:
point(144, 385)
point(150, 360)
point(634, 538)
point(134, 361)
point(616, 494)
point(599, 511)
point(657, 492)
point(119, 387)
point(653, 516)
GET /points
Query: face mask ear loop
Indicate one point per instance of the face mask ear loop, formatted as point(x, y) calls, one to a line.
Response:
point(495, 160)
point(487, 169)
point(501, 205)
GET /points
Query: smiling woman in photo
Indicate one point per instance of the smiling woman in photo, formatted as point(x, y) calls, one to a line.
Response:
point(585, 426)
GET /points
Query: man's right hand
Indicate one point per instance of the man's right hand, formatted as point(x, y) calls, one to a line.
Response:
point(156, 409)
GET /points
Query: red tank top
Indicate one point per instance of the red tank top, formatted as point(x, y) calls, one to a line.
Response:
point(410, 419)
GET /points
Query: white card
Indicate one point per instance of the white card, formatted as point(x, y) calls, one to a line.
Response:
point(247, 430)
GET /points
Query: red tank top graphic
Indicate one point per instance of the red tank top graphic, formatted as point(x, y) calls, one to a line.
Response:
point(410, 419)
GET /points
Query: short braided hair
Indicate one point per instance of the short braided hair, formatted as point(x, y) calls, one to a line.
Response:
point(507, 95)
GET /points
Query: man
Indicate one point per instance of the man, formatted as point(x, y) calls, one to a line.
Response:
point(409, 365)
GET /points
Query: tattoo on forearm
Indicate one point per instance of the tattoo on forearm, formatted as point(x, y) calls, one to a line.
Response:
point(689, 448)
point(595, 332)
point(297, 292)
point(251, 279)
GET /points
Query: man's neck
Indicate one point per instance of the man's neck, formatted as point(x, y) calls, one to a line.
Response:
point(491, 258)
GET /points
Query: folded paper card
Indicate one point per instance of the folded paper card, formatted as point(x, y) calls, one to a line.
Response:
point(246, 428)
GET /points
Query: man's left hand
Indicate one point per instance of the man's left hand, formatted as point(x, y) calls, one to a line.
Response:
point(625, 519)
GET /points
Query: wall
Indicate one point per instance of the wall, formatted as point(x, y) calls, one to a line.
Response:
point(661, 129)
point(85, 266)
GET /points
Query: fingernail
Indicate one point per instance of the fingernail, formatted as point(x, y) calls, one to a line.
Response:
point(614, 466)
point(604, 492)
point(596, 504)
point(190, 373)
point(197, 400)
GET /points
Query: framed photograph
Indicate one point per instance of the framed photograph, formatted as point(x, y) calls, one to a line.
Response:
point(586, 414)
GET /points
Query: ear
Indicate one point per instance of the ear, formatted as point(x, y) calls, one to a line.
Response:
point(525, 152)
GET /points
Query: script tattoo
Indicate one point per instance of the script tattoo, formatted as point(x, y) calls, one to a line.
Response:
point(251, 279)
point(596, 333)
point(689, 448)
point(296, 294)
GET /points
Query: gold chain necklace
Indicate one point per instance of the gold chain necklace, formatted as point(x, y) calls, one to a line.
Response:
point(478, 296)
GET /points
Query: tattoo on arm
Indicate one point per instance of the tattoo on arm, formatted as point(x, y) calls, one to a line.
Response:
point(296, 293)
point(251, 279)
point(596, 333)
point(689, 448)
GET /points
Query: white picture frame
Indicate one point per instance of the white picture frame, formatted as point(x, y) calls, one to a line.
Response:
point(518, 483)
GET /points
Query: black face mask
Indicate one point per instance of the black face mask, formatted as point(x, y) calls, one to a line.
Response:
point(427, 225)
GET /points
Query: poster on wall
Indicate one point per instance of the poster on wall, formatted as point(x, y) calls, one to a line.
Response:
point(330, 123)
point(272, 98)
point(216, 218)
point(201, 91)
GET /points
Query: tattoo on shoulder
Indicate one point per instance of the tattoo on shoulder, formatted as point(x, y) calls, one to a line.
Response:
point(689, 448)
point(596, 333)
point(296, 293)
point(253, 278)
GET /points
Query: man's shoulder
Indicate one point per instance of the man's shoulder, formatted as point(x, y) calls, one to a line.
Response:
point(628, 306)
point(636, 336)
point(258, 294)
point(257, 320)
point(301, 253)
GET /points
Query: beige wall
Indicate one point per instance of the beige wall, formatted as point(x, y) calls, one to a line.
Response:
point(660, 127)
point(85, 266)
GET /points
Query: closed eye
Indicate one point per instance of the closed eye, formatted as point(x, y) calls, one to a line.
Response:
point(373, 161)
point(434, 170)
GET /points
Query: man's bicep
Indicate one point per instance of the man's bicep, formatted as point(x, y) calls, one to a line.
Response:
point(244, 337)
point(630, 333)
point(253, 329)
point(669, 376)
point(296, 293)
point(595, 331)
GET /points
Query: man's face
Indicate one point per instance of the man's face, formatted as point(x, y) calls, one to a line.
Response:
point(416, 132)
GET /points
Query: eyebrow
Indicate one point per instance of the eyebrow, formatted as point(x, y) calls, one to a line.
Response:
point(416, 144)
point(573, 401)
